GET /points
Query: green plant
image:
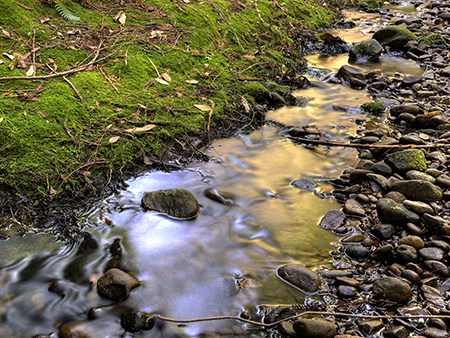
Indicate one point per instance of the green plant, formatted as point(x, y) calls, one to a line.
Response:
point(65, 12)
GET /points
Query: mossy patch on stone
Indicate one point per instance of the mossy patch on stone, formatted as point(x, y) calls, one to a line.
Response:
point(432, 39)
point(374, 107)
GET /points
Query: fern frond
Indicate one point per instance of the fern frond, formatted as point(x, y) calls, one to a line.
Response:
point(65, 12)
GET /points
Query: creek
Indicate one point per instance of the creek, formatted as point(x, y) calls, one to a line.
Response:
point(221, 263)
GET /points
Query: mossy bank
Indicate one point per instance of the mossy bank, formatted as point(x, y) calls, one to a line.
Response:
point(93, 91)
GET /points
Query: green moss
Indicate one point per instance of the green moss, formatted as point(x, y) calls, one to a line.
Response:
point(55, 134)
point(433, 39)
point(374, 107)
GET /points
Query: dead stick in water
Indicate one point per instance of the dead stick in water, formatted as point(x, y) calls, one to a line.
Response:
point(368, 146)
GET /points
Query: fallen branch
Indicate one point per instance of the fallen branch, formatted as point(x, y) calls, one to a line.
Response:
point(368, 146)
point(306, 313)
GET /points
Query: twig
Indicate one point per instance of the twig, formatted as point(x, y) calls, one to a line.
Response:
point(74, 88)
point(306, 313)
point(368, 146)
point(108, 79)
point(65, 178)
point(156, 69)
point(67, 72)
point(249, 79)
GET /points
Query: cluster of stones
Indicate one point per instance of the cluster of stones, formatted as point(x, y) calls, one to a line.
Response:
point(394, 254)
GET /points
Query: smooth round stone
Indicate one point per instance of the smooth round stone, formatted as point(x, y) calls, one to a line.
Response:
point(382, 253)
point(357, 251)
point(392, 212)
point(438, 156)
point(443, 181)
point(431, 253)
point(418, 190)
point(406, 253)
point(432, 222)
point(418, 207)
point(414, 267)
point(178, 203)
point(381, 168)
point(412, 138)
point(437, 268)
point(314, 328)
point(347, 291)
point(352, 207)
point(116, 284)
point(384, 230)
point(392, 289)
point(414, 229)
point(410, 275)
point(300, 277)
point(434, 172)
point(396, 196)
point(419, 175)
point(414, 241)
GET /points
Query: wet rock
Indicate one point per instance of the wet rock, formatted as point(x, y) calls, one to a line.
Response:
point(371, 327)
point(116, 284)
point(333, 219)
point(392, 289)
point(406, 253)
point(357, 251)
point(314, 328)
point(410, 80)
point(218, 196)
point(347, 291)
point(432, 253)
point(369, 50)
point(433, 296)
point(411, 276)
point(443, 181)
point(347, 73)
point(352, 207)
point(411, 138)
point(437, 268)
point(418, 190)
point(392, 212)
point(414, 241)
point(305, 183)
point(382, 253)
point(380, 180)
point(414, 229)
point(300, 277)
point(384, 230)
point(177, 203)
point(434, 332)
point(395, 37)
point(411, 159)
point(418, 207)
point(382, 168)
point(433, 222)
point(396, 331)
point(407, 108)
point(134, 321)
point(77, 329)
point(438, 156)
point(419, 175)
point(396, 196)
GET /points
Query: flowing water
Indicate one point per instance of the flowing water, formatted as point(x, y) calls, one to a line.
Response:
point(221, 263)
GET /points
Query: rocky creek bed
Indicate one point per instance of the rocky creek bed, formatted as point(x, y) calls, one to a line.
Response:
point(392, 261)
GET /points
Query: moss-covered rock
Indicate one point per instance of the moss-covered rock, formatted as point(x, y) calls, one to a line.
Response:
point(396, 37)
point(432, 39)
point(374, 107)
point(406, 160)
point(369, 50)
point(256, 90)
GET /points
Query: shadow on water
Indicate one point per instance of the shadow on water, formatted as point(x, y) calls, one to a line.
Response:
point(221, 263)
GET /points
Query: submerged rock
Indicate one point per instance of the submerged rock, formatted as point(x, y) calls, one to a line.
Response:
point(300, 277)
point(333, 219)
point(177, 203)
point(116, 284)
point(134, 321)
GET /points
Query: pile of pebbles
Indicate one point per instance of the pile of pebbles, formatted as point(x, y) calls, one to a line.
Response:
point(394, 255)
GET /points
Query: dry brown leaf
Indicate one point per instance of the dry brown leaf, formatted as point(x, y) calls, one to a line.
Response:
point(121, 17)
point(203, 107)
point(143, 129)
point(31, 71)
point(192, 81)
point(2, 62)
point(11, 65)
point(9, 56)
point(8, 34)
point(113, 139)
point(249, 56)
point(245, 104)
point(44, 20)
point(166, 77)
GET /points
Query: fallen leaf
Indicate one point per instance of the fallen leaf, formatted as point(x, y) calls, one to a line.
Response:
point(8, 34)
point(31, 71)
point(109, 126)
point(166, 77)
point(164, 82)
point(186, 1)
point(141, 106)
point(203, 107)
point(156, 34)
point(192, 81)
point(44, 20)
point(121, 17)
point(2, 62)
point(1, 119)
point(52, 191)
point(249, 56)
point(147, 160)
point(114, 139)
point(143, 129)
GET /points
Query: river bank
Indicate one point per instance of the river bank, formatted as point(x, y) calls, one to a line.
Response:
point(94, 92)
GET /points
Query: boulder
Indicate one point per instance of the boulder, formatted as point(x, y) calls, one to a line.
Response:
point(348, 73)
point(392, 212)
point(418, 190)
point(314, 328)
point(369, 50)
point(410, 159)
point(116, 284)
point(300, 277)
point(392, 289)
point(396, 37)
point(178, 203)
